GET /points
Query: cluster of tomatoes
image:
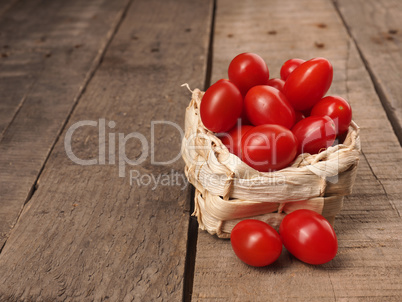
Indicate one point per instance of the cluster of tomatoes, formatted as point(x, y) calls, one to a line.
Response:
point(268, 122)
point(306, 234)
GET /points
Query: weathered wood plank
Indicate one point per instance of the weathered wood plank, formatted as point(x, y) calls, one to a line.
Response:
point(49, 50)
point(376, 26)
point(5, 5)
point(368, 264)
point(87, 234)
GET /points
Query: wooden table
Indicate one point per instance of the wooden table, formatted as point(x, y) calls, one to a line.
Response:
point(97, 80)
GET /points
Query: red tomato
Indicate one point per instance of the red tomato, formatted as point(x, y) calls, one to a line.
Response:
point(288, 67)
point(256, 242)
point(314, 133)
point(247, 70)
point(221, 106)
point(268, 147)
point(232, 139)
point(308, 236)
point(276, 83)
point(267, 105)
point(308, 83)
point(338, 109)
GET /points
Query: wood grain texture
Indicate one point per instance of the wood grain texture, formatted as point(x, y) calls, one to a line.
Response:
point(368, 264)
point(5, 5)
point(49, 50)
point(88, 234)
point(376, 26)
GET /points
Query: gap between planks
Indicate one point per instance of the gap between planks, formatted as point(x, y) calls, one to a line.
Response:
point(192, 238)
point(90, 74)
point(192, 235)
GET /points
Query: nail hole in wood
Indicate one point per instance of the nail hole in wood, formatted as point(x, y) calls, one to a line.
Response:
point(319, 44)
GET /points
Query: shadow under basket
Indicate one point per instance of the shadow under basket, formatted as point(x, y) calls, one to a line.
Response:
point(227, 190)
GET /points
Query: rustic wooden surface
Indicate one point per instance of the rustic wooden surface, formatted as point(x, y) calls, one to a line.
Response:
point(85, 234)
point(5, 5)
point(49, 51)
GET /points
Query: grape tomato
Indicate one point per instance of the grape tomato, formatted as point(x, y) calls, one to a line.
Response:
point(256, 242)
point(308, 236)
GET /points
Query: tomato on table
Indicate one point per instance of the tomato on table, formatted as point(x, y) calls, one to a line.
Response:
point(232, 139)
point(289, 66)
point(314, 133)
point(247, 70)
point(338, 109)
point(268, 147)
point(308, 236)
point(308, 83)
point(264, 104)
point(221, 106)
point(256, 242)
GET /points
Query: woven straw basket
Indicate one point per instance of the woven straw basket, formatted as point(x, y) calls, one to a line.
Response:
point(227, 190)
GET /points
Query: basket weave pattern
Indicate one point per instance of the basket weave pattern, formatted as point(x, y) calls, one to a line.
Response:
point(227, 190)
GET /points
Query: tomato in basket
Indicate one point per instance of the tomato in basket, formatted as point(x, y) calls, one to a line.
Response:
point(256, 242)
point(296, 101)
point(308, 83)
point(338, 109)
point(269, 147)
point(314, 134)
point(221, 106)
point(247, 70)
point(267, 105)
point(276, 83)
point(288, 67)
point(232, 139)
